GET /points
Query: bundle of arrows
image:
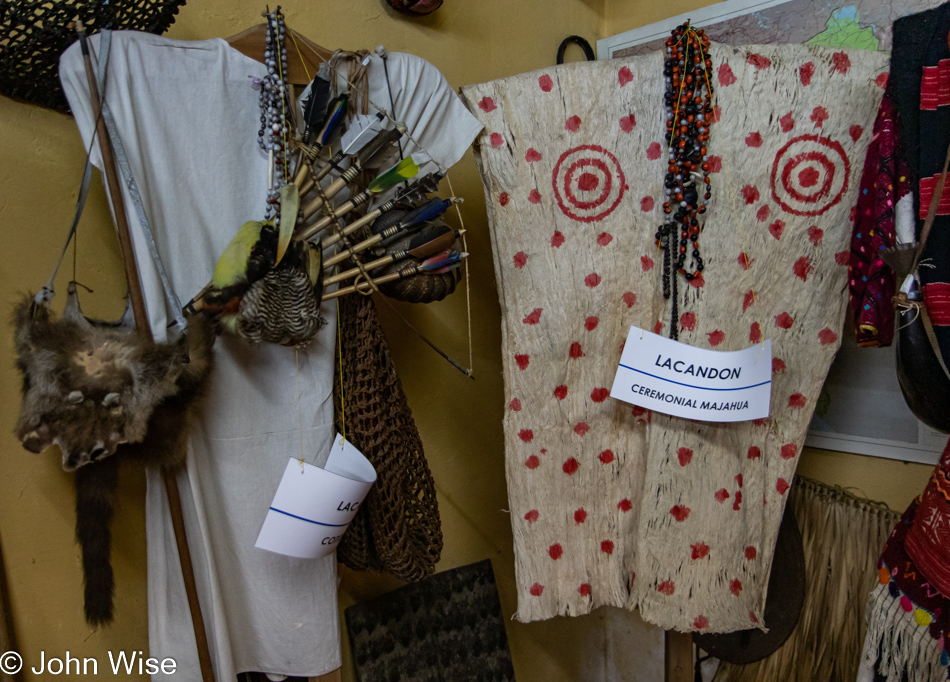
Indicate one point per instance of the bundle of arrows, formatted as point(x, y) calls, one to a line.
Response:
point(313, 242)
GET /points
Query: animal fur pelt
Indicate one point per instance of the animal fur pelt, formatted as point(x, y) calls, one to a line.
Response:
point(90, 386)
point(158, 387)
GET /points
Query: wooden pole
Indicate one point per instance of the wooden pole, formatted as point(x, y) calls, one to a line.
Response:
point(142, 327)
point(678, 656)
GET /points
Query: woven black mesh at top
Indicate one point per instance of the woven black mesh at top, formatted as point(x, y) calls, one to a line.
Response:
point(34, 33)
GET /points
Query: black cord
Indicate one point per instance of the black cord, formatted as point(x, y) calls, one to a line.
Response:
point(580, 42)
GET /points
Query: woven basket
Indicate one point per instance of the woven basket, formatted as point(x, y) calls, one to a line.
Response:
point(34, 33)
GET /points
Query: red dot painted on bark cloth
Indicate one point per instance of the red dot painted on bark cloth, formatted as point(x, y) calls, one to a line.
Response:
point(688, 321)
point(560, 392)
point(881, 80)
point(721, 495)
point(781, 486)
point(750, 552)
point(680, 512)
point(604, 238)
point(532, 155)
point(526, 435)
point(753, 618)
point(715, 164)
point(667, 587)
point(784, 321)
point(646, 263)
point(581, 428)
point(639, 411)
point(697, 282)
point(532, 516)
point(590, 324)
point(625, 505)
point(515, 405)
point(755, 333)
point(776, 229)
point(580, 516)
point(759, 61)
point(646, 204)
point(808, 177)
point(735, 586)
point(789, 450)
point(787, 122)
point(532, 462)
point(629, 298)
point(572, 124)
point(815, 235)
point(819, 115)
point(803, 267)
point(748, 299)
point(778, 366)
point(796, 401)
point(753, 140)
point(496, 140)
point(533, 317)
point(536, 590)
point(520, 259)
point(716, 337)
point(570, 466)
point(763, 213)
point(737, 501)
point(584, 590)
point(607, 547)
point(842, 258)
point(658, 327)
point(487, 104)
point(739, 480)
point(592, 280)
point(699, 551)
point(599, 395)
point(575, 351)
point(841, 62)
point(744, 261)
point(504, 198)
point(750, 193)
point(826, 336)
point(522, 361)
point(545, 83)
point(624, 75)
point(725, 75)
point(805, 72)
point(534, 196)
point(685, 456)
point(606, 457)
point(557, 239)
point(588, 182)
point(653, 151)
point(555, 551)
point(754, 452)
point(627, 123)
point(855, 131)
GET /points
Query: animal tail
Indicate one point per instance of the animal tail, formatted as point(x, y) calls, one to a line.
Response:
point(96, 488)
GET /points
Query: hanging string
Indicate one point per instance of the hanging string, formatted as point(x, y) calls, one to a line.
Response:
point(468, 298)
point(469, 371)
point(303, 62)
point(299, 406)
point(339, 345)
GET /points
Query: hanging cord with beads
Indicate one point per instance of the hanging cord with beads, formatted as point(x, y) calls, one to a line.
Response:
point(688, 116)
point(469, 371)
point(272, 136)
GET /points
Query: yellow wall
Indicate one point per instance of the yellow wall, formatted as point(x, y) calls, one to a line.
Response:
point(460, 420)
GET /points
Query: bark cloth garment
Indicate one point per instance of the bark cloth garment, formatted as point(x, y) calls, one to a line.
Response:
point(612, 504)
point(188, 115)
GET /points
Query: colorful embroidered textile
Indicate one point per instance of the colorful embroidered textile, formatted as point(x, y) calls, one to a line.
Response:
point(928, 540)
point(908, 620)
point(884, 184)
point(612, 504)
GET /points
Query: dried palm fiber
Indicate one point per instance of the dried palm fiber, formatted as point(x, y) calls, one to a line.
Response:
point(34, 33)
point(842, 536)
point(611, 504)
point(397, 529)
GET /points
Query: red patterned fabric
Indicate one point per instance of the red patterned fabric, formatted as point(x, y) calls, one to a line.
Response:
point(935, 86)
point(927, 187)
point(937, 300)
point(883, 183)
point(928, 540)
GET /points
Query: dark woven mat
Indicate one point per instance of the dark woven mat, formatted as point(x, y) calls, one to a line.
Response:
point(446, 628)
point(34, 33)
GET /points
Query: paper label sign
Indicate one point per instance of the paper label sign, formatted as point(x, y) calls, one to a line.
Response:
point(313, 507)
point(707, 385)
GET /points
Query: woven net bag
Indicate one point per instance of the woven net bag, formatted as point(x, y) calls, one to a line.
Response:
point(34, 33)
point(397, 529)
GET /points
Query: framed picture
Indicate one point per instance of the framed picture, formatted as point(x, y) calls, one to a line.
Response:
point(861, 408)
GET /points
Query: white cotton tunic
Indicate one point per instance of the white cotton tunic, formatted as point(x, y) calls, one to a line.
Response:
point(188, 117)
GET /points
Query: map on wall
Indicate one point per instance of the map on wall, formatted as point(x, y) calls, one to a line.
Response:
point(861, 408)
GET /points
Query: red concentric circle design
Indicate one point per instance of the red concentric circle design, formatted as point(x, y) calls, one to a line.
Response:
point(588, 183)
point(810, 174)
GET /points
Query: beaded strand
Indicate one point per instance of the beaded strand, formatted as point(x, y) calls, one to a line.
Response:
point(272, 136)
point(688, 101)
